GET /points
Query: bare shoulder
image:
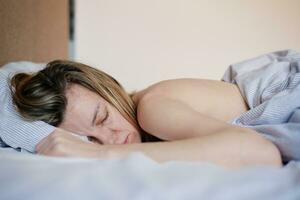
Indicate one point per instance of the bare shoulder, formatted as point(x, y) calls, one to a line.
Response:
point(138, 95)
point(217, 99)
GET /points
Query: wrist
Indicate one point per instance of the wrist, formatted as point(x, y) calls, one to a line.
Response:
point(112, 151)
point(97, 151)
point(105, 151)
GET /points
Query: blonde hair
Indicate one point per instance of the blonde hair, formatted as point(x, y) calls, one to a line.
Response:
point(41, 95)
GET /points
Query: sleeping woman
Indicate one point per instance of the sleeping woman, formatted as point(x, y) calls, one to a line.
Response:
point(180, 119)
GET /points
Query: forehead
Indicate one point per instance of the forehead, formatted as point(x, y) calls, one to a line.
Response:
point(76, 93)
point(81, 105)
point(79, 97)
point(76, 89)
point(81, 100)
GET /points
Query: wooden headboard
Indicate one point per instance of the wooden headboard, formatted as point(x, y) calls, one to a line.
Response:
point(33, 30)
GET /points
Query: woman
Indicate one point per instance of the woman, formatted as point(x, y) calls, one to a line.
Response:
point(183, 119)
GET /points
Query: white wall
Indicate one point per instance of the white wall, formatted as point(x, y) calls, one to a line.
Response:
point(140, 42)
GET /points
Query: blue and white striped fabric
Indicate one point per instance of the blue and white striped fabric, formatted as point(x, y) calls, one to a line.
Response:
point(15, 132)
point(270, 84)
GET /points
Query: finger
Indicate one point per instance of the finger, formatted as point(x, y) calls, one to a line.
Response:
point(41, 144)
point(45, 143)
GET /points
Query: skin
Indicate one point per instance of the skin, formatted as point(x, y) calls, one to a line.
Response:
point(193, 115)
point(109, 126)
point(212, 103)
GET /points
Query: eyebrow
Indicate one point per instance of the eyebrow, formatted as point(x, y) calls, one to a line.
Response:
point(95, 114)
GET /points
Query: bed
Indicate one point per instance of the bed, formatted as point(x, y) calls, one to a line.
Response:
point(35, 177)
point(27, 176)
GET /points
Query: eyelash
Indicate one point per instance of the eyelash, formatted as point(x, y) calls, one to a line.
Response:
point(94, 140)
point(105, 118)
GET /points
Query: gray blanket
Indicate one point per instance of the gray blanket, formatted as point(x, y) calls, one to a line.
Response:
point(270, 84)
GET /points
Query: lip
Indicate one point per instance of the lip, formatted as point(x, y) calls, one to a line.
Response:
point(126, 140)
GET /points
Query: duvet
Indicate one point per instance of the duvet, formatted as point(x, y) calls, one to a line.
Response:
point(28, 176)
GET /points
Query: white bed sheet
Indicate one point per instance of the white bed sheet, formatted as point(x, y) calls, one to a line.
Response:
point(28, 176)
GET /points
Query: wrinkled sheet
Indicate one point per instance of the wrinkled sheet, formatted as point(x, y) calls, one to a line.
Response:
point(270, 85)
point(35, 177)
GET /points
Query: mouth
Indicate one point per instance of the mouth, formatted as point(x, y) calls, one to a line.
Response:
point(126, 140)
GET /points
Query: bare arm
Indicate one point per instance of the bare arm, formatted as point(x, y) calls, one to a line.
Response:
point(219, 100)
point(227, 148)
point(172, 119)
point(231, 146)
point(224, 144)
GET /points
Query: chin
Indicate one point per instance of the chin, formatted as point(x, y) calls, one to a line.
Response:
point(135, 138)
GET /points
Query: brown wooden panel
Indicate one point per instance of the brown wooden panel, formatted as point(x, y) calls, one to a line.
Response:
point(34, 30)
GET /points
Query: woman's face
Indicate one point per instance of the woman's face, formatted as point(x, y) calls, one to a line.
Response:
point(88, 114)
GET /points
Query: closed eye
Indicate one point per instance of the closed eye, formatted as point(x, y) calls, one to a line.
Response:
point(94, 140)
point(105, 118)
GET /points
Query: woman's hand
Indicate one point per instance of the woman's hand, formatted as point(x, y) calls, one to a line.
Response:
point(64, 143)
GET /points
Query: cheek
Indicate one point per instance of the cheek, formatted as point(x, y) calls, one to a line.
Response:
point(124, 124)
point(119, 122)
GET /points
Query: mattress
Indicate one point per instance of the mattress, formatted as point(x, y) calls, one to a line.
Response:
point(35, 177)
